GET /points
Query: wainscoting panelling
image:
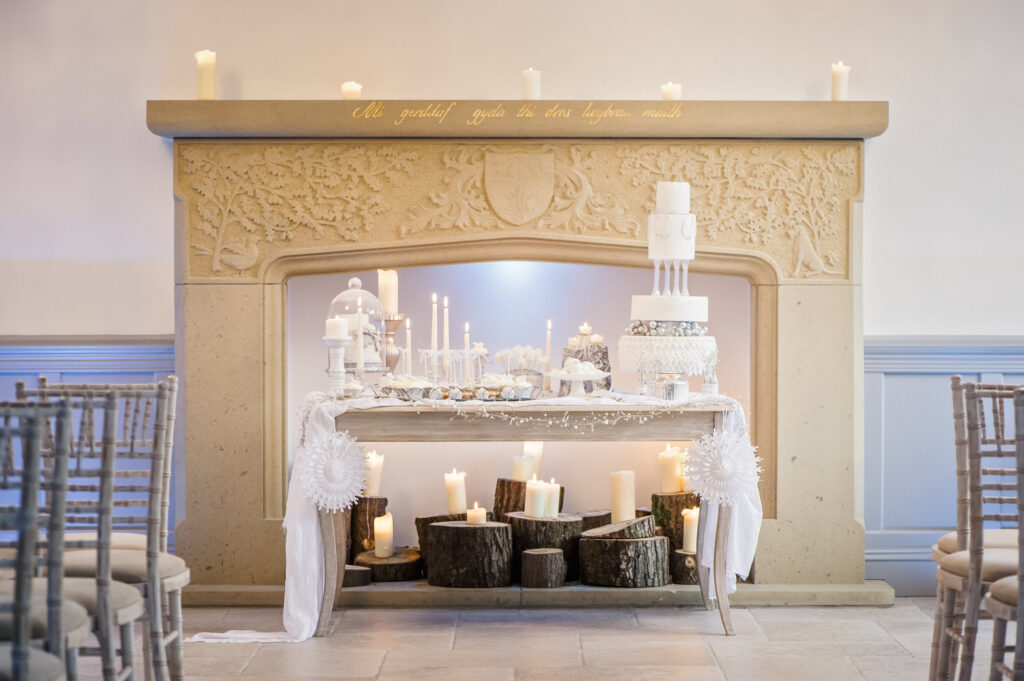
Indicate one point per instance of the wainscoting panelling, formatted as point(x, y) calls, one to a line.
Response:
point(909, 485)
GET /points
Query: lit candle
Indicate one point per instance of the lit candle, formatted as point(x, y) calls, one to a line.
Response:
point(691, 517)
point(623, 496)
point(840, 81)
point(586, 329)
point(206, 74)
point(387, 291)
point(433, 336)
point(669, 461)
point(596, 339)
point(547, 358)
point(554, 496)
point(671, 90)
point(359, 334)
point(476, 515)
point(467, 368)
point(534, 450)
point(447, 343)
point(383, 536)
point(337, 328)
point(531, 84)
point(574, 342)
point(408, 346)
point(374, 468)
point(455, 485)
point(523, 468)
point(351, 90)
point(536, 498)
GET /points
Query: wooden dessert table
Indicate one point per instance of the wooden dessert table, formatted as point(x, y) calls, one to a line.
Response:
point(498, 422)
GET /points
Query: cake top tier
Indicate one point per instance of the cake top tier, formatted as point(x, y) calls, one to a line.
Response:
point(673, 197)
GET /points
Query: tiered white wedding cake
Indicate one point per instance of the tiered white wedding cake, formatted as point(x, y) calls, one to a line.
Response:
point(667, 334)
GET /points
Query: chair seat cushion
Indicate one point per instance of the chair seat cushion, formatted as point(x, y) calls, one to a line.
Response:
point(126, 565)
point(995, 564)
point(995, 538)
point(1005, 590)
point(118, 540)
point(75, 617)
point(42, 666)
point(82, 590)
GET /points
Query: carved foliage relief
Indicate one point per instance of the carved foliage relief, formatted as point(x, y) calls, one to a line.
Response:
point(250, 201)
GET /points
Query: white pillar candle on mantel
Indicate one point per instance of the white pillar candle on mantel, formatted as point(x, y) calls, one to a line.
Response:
point(476, 515)
point(337, 328)
point(547, 358)
point(670, 464)
point(447, 340)
point(455, 485)
point(671, 90)
point(536, 498)
point(467, 365)
point(531, 84)
point(840, 81)
point(374, 469)
point(433, 335)
point(623, 496)
point(351, 90)
point(523, 467)
point(534, 450)
point(408, 346)
point(387, 291)
point(691, 518)
point(383, 536)
point(206, 74)
point(554, 496)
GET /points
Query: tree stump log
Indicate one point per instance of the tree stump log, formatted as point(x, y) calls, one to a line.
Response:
point(668, 512)
point(468, 556)
point(363, 513)
point(543, 568)
point(510, 497)
point(357, 575)
point(406, 565)
point(631, 563)
point(547, 533)
point(421, 530)
point(684, 567)
point(638, 528)
point(592, 519)
point(642, 511)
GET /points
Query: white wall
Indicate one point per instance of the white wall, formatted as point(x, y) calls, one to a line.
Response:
point(509, 303)
point(87, 189)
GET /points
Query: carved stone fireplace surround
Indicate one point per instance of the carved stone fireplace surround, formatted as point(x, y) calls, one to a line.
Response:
point(268, 190)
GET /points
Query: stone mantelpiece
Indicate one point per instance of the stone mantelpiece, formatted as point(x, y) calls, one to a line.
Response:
point(271, 190)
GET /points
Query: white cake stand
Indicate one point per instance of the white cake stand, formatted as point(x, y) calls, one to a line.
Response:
point(576, 381)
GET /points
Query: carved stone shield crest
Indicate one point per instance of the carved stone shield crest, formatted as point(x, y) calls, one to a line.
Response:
point(519, 185)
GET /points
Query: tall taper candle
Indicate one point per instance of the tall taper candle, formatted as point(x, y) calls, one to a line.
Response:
point(547, 358)
point(455, 485)
point(433, 337)
point(840, 81)
point(447, 341)
point(623, 496)
point(467, 368)
point(206, 74)
point(531, 84)
point(408, 346)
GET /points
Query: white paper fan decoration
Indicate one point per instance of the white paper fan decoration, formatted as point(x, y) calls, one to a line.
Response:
point(333, 472)
point(722, 466)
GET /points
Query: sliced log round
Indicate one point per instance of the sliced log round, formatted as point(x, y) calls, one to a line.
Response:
point(632, 563)
point(363, 513)
point(510, 497)
point(592, 519)
point(668, 512)
point(406, 565)
point(638, 528)
point(356, 575)
point(562, 532)
point(543, 568)
point(423, 523)
point(684, 567)
point(469, 556)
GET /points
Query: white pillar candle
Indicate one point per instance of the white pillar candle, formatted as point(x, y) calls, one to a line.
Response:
point(534, 450)
point(433, 336)
point(206, 74)
point(351, 90)
point(374, 469)
point(523, 468)
point(547, 357)
point(840, 81)
point(337, 328)
point(467, 366)
point(623, 496)
point(671, 90)
point(359, 335)
point(536, 498)
point(383, 536)
point(531, 84)
point(586, 329)
point(596, 338)
point(447, 340)
point(554, 496)
point(476, 515)
point(387, 291)
point(455, 485)
point(669, 463)
point(691, 516)
point(408, 346)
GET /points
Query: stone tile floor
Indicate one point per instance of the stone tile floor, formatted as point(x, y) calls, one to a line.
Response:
point(634, 644)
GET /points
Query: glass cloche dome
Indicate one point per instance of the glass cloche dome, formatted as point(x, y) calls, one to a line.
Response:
point(363, 310)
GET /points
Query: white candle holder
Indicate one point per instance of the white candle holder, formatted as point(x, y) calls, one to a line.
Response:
point(336, 362)
point(392, 353)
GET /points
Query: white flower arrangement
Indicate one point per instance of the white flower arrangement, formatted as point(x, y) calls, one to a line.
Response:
point(333, 471)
